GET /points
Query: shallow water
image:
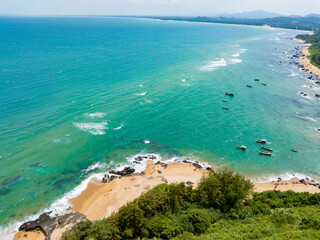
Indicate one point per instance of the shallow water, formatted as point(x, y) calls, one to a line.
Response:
point(79, 95)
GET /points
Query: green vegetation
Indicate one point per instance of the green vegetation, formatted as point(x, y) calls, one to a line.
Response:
point(310, 23)
point(302, 23)
point(222, 207)
point(314, 50)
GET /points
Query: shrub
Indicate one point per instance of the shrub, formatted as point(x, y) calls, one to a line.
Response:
point(240, 213)
point(104, 230)
point(81, 232)
point(185, 236)
point(201, 219)
point(223, 189)
point(161, 227)
point(283, 216)
point(165, 199)
point(131, 221)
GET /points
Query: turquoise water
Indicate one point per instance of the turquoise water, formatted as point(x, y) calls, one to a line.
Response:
point(76, 92)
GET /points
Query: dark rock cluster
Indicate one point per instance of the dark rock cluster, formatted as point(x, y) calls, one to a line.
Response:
point(47, 224)
point(126, 171)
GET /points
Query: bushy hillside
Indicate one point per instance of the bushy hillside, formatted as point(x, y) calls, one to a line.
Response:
point(222, 207)
point(315, 48)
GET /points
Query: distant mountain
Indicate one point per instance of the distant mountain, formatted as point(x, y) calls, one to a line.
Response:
point(314, 15)
point(250, 15)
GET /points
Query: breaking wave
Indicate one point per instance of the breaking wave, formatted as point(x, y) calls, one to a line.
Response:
point(93, 128)
point(211, 66)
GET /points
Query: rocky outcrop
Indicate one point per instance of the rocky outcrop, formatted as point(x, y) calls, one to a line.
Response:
point(47, 224)
point(126, 171)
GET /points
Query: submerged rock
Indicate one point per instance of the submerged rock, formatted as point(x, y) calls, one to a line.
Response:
point(35, 164)
point(10, 181)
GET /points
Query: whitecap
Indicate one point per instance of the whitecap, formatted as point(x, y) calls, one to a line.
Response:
point(306, 118)
point(293, 75)
point(183, 80)
point(93, 128)
point(94, 166)
point(140, 85)
point(236, 55)
point(141, 94)
point(234, 61)
point(146, 141)
point(311, 87)
point(118, 128)
point(95, 115)
point(211, 66)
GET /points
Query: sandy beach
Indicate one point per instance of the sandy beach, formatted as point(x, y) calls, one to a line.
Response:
point(100, 200)
point(304, 60)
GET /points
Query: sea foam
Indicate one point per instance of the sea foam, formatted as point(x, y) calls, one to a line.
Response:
point(96, 115)
point(118, 128)
point(141, 94)
point(234, 61)
point(306, 118)
point(284, 176)
point(211, 66)
point(93, 128)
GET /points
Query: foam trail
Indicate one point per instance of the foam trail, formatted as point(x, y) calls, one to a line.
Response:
point(306, 118)
point(211, 66)
point(284, 176)
point(141, 94)
point(96, 115)
point(93, 128)
point(118, 128)
point(234, 61)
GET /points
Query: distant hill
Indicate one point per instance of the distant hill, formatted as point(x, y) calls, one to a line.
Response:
point(250, 15)
point(302, 23)
point(314, 15)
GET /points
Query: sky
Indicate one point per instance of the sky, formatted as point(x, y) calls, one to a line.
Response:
point(155, 7)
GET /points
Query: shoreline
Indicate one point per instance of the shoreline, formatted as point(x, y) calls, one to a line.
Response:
point(111, 196)
point(304, 60)
point(95, 188)
point(232, 24)
point(100, 200)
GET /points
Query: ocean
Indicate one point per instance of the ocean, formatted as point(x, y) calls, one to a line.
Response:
point(79, 96)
